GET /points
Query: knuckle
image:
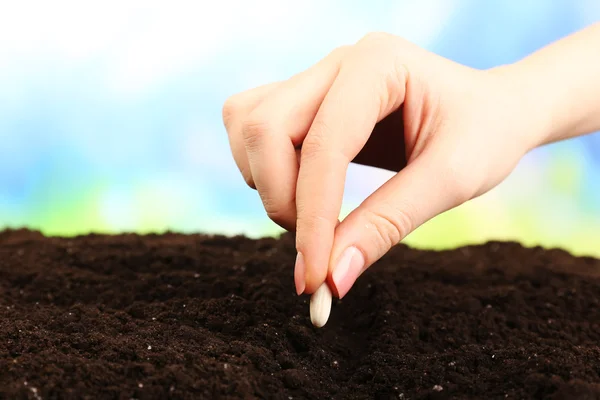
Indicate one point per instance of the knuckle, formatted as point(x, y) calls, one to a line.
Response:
point(390, 225)
point(319, 143)
point(316, 142)
point(312, 222)
point(249, 180)
point(319, 147)
point(319, 131)
point(340, 51)
point(253, 130)
point(277, 211)
point(277, 217)
point(231, 108)
point(376, 37)
point(400, 69)
point(398, 77)
point(311, 216)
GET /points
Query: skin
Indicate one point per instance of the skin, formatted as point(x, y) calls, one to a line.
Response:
point(449, 131)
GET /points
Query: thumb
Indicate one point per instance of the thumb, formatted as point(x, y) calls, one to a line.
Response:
point(427, 187)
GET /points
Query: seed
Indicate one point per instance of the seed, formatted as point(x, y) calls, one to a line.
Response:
point(320, 306)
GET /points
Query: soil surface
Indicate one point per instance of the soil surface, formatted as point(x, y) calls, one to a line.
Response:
point(205, 317)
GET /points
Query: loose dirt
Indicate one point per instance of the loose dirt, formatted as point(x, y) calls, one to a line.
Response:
point(205, 317)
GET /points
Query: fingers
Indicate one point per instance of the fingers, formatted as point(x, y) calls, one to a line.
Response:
point(425, 188)
point(235, 112)
point(361, 95)
point(274, 129)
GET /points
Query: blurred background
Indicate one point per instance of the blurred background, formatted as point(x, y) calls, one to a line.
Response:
point(110, 112)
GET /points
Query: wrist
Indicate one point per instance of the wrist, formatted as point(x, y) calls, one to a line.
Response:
point(538, 118)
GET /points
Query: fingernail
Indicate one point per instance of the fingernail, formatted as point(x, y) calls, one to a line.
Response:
point(347, 270)
point(299, 274)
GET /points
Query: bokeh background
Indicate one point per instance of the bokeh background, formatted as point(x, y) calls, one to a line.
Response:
point(110, 112)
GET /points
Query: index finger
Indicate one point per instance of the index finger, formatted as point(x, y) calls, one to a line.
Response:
point(346, 118)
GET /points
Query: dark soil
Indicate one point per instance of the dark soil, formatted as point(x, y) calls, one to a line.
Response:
point(175, 316)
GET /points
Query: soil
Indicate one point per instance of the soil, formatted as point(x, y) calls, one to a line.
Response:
point(211, 317)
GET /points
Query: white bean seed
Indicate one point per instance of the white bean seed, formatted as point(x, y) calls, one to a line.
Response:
point(320, 306)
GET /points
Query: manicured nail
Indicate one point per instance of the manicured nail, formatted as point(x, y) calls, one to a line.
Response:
point(349, 267)
point(299, 274)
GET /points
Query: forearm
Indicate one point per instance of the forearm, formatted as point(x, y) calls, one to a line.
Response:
point(560, 84)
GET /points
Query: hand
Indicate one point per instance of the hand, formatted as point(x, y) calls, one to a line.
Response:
point(451, 132)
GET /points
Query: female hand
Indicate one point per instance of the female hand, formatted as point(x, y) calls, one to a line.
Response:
point(450, 132)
